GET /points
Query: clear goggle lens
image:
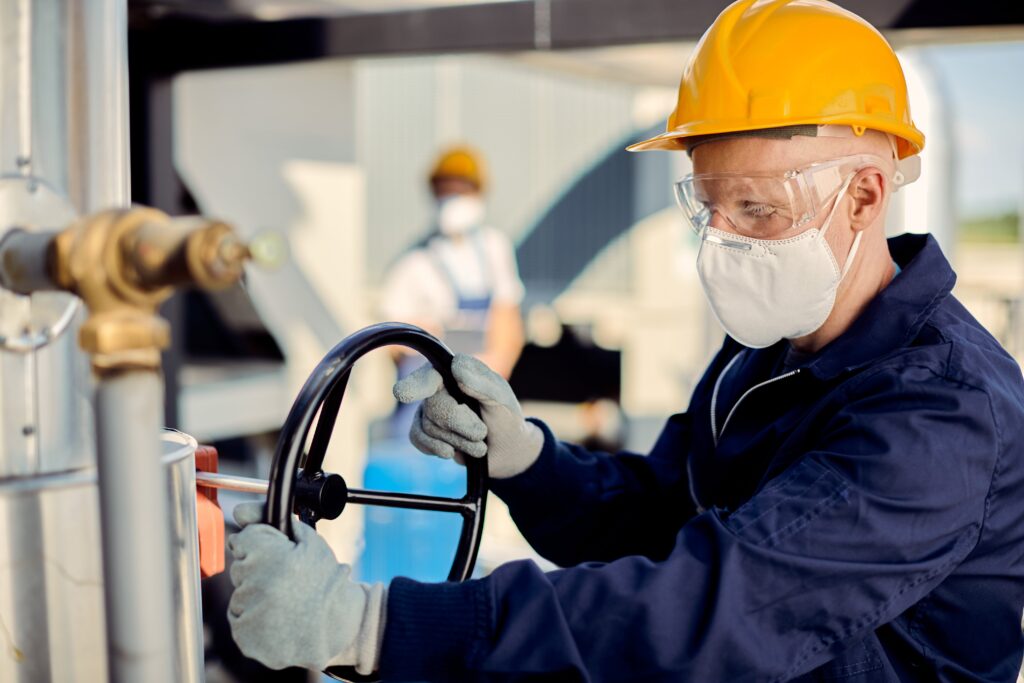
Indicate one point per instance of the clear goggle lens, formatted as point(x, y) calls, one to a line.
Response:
point(765, 206)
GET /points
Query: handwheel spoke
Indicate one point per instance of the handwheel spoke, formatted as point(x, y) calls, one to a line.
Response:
point(325, 425)
point(411, 501)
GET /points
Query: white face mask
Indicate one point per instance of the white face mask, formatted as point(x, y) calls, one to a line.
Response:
point(458, 214)
point(762, 291)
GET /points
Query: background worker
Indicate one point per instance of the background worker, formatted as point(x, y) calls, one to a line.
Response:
point(842, 500)
point(461, 282)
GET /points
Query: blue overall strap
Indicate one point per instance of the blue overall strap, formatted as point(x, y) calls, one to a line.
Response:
point(464, 303)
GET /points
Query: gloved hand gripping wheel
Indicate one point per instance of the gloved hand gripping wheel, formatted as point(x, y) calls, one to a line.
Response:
point(314, 495)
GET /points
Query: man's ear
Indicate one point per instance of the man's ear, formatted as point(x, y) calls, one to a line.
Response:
point(868, 190)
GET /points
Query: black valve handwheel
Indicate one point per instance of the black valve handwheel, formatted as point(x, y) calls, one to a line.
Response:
point(323, 495)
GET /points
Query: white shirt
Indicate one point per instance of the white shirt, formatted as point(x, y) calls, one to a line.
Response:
point(416, 288)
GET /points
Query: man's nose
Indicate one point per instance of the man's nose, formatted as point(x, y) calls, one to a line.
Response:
point(720, 222)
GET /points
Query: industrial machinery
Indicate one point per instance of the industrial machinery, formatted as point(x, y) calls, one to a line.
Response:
point(100, 557)
point(98, 566)
point(122, 263)
point(101, 549)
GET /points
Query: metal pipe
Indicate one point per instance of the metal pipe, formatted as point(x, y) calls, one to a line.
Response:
point(136, 526)
point(99, 172)
point(231, 482)
point(24, 261)
point(411, 501)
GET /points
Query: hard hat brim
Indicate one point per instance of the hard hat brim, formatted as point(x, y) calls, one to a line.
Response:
point(910, 139)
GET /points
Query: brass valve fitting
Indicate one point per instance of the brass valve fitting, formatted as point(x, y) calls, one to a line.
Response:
point(124, 263)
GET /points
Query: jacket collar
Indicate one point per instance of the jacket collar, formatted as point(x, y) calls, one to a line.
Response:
point(897, 314)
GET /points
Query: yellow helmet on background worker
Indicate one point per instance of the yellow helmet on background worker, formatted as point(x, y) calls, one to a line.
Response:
point(462, 162)
point(779, 63)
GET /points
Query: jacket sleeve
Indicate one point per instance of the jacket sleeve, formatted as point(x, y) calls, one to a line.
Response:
point(575, 505)
point(853, 533)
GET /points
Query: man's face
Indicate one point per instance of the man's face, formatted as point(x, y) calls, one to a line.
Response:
point(759, 156)
point(460, 207)
point(746, 195)
point(452, 186)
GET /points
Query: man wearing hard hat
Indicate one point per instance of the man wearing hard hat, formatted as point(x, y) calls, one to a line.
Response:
point(460, 282)
point(842, 501)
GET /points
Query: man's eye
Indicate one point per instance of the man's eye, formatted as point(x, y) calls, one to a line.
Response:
point(758, 210)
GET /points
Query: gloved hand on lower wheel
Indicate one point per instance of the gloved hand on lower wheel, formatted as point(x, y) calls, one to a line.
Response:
point(295, 605)
point(443, 426)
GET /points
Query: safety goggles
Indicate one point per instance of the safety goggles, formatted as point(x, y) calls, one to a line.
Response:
point(768, 206)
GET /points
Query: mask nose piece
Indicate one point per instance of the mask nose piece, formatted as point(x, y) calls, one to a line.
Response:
point(725, 242)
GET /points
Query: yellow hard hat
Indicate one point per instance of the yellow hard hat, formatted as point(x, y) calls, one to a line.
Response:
point(460, 162)
point(777, 63)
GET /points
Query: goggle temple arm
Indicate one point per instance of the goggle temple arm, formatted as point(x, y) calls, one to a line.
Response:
point(907, 171)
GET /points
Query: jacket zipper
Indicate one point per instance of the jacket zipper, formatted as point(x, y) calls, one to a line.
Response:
point(716, 435)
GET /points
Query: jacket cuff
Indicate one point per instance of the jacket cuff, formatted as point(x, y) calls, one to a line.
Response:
point(541, 470)
point(434, 631)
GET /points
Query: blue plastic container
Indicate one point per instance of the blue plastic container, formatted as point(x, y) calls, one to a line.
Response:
point(414, 543)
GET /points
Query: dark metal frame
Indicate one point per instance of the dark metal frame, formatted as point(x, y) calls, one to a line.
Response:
point(185, 38)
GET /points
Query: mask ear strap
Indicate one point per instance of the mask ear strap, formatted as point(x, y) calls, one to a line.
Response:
point(853, 252)
point(828, 224)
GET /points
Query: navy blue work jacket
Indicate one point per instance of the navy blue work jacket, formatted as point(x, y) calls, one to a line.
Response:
point(858, 517)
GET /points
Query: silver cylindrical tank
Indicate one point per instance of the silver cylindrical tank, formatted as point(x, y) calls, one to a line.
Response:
point(51, 575)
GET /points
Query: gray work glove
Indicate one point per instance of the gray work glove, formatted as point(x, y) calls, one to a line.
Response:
point(294, 605)
point(443, 426)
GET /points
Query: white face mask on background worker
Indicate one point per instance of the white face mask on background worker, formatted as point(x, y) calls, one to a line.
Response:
point(459, 214)
point(457, 182)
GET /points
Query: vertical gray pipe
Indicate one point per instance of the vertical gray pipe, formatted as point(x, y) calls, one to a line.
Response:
point(97, 100)
point(137, 558)
point(136, 524)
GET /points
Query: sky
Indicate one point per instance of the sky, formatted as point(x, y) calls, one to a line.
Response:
point(985, 86)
